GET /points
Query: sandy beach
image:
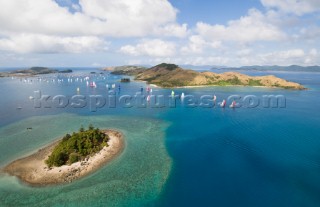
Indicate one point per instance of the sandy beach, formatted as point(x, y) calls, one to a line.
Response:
point(206, 86)
point(34, 171)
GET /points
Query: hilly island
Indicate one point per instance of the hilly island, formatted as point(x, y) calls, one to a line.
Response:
point(171, 75)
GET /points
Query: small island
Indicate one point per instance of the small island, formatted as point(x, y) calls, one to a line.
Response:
point(33, 71)
point(125, 70)
point(71, 158)
point(171, 75)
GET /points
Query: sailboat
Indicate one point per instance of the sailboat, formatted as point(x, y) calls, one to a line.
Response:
point(93, 84)
point(233, 104)
point(172, 93)
point(182, 96)
point(223, 103)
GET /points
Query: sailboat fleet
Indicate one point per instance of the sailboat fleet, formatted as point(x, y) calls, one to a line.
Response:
point(91, 82)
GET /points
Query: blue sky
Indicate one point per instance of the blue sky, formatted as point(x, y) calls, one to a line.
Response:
point(214, 12)
point(98, 33)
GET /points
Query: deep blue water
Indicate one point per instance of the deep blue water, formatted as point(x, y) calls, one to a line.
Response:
point(220, 157)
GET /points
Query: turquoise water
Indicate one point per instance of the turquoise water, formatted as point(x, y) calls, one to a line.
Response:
point(138, 175)
point(175, 156)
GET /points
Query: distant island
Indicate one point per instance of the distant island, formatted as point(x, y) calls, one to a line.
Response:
point(171, 75)
point(71, 158)
point(291, 68)
point(125, 70)
point(32, 72)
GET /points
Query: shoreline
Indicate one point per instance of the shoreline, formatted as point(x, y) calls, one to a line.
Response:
point(206, 86)
point(32, 169)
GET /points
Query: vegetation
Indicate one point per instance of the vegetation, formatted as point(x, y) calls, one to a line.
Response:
point(77, 146)
point(233, 81)
point(33, 71)
point(255, 82)
point(222, 83)
point(167, 66)
point(127, 70)
point(173, 83)
point(65, 71)
point(125, 80)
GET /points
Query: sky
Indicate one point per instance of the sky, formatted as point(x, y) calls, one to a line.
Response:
point(99, 33)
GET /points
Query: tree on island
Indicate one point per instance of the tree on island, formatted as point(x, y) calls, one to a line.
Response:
point(76, 147)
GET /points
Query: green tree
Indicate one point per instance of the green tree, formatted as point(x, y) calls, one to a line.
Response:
point(73, 157)
point(77, 146)
point(81, 129)
point(91, 127)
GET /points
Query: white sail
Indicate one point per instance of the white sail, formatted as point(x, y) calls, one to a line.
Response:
point(233, 104)
point(223, 104)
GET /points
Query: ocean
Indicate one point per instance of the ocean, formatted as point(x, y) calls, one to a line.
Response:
point(180, 155)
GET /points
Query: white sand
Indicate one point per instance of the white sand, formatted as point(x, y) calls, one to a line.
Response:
point(33, 170)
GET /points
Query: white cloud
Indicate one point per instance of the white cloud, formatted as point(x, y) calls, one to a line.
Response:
point(97, 65)
point(196, 60)
point(35, 43)
point(298, 7)
point(289, 57)
point(117, 18)
point(197, 45)
point(313, 52)
point(76, 7)
point(313, 57)
point(33, 26)
point(175, 30)
point(288, 54)
point(207, 60)
point(253, 27)
point(244, 52)
point(153, 47)
point(309, 33)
